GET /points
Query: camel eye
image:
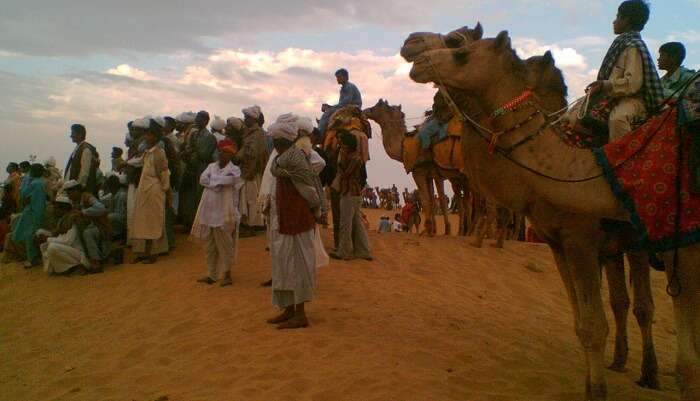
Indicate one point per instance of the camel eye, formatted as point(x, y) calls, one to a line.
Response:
point(461, 56)
point(453, 41)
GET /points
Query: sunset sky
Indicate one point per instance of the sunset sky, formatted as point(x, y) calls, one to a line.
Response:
point(103, 63)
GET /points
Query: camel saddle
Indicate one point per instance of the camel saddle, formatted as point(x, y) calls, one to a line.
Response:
point(349, 118)
point(447, 153)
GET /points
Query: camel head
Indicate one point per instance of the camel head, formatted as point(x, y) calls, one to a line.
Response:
point(547, 80)
point(419, 42)
point(393, 123)
point(474, 68)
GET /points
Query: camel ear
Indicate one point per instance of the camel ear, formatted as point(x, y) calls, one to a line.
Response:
point(502, 41)
point(548, 58)
point(478, 31)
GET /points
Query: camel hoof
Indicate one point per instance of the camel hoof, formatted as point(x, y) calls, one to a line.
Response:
point(618, 367)
point(649, 382)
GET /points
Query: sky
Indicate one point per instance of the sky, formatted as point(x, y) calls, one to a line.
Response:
point(103, 63)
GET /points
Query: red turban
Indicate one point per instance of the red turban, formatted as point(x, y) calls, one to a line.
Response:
point(227, 145)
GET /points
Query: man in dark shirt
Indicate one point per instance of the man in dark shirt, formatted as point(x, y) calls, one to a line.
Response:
point(349, 94)
point(353, 241)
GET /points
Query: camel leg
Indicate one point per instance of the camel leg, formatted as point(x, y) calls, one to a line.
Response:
point(581, 251)
point(444, 206)
point(425, 192)
point(686, 308)
point(620, 304)
point(644, 312)
point(479, 232)
point(503, 217)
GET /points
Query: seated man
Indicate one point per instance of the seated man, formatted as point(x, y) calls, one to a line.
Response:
point(671, 57)
point(114, 199)
point(62, 248)
point(349, 94)
point(93, 227)
point(627, 75)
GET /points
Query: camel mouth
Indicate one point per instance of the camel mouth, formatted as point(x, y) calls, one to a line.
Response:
point(417, 43)
point(420, 72)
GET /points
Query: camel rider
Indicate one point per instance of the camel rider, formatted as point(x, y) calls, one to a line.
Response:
point(671, 56)
point(349, 94)
point(628, 75)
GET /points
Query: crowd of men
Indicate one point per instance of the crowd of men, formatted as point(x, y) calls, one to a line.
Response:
point(217, 180)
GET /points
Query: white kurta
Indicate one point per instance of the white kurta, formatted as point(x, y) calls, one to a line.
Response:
point(293, 261)
point(63, 252)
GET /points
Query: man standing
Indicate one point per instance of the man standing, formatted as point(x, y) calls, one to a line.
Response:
point(217, 216)
point(34, 197)
point(353, 241)
point(671, 57)
point(83, 162)
point(252, 159)
point(296, 204)
point(198, 153)
point(349, 94)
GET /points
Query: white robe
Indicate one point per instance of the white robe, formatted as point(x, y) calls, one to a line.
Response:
point(63, 252)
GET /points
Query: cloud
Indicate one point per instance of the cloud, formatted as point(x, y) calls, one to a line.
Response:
point(125, 70)
point(690, 36)
point(222, 82)
point(79, 27)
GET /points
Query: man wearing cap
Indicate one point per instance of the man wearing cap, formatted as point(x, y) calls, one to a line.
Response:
point(83, 162)
point(296, 203)
point(217, 217)
point(63, 250)
point(199, 150)
point(252, 159)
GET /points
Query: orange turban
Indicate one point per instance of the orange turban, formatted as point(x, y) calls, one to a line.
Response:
point(228, 146)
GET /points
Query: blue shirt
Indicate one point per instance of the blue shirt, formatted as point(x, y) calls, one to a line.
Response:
point(349, 94)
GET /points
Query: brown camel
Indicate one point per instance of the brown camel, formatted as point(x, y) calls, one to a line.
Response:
point(425, 172)
point(551, 91)
point(566, 215)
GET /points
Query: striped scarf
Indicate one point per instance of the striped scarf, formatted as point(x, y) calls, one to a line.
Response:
point(653, 92)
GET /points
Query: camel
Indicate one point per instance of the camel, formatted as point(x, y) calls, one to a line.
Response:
point(566, 215)
point(542, 74)
point(425, 172)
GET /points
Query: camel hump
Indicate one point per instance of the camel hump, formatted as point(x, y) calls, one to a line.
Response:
point(448, 153)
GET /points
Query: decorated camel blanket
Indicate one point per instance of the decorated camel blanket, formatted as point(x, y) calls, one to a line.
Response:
point(642, 169)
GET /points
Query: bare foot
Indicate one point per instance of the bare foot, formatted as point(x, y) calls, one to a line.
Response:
point(206, 280)
point(285, 316)
point(267, 283)
point(296, 322)
point(226, 282)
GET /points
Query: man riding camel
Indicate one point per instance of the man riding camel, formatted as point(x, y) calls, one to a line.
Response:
point(349, 94)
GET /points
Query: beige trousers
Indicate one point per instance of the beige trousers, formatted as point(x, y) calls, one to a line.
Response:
point(221, 251)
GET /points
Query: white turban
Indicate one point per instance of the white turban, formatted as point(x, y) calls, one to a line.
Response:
point(252, 112)
point(218, 124)
point(285, 127)
point(160, 121)
point(305, 124)
point(63, 199)
point(186, 117)
point(235, 123)
point(70, 184)
point(51, 162)
point(142, 123)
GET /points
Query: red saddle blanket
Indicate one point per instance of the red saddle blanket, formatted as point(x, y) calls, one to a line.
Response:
point(642, 169)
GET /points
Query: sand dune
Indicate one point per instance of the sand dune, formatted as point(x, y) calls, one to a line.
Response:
point(429, 319)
